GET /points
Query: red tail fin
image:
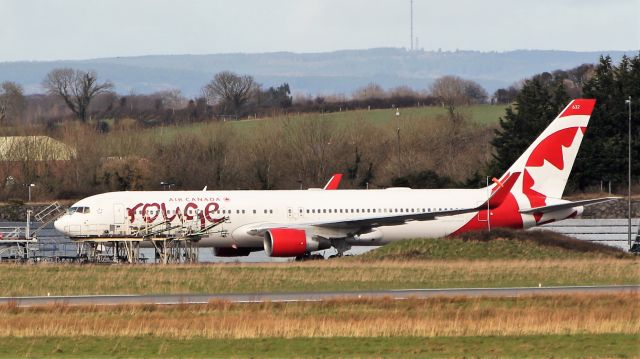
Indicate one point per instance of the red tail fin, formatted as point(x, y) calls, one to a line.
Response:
point(334, 182)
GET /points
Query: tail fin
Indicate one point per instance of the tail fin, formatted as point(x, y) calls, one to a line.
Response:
point(334, 182)
point(547, 163)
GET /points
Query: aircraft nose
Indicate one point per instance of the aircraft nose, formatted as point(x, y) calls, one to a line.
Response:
point(59, 225)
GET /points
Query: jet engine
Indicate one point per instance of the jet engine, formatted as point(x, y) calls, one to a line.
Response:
point(287, 242)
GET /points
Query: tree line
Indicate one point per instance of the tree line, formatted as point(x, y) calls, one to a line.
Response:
point(295, 151)
point(280, 153)
point(603, 155)
point(79, 94)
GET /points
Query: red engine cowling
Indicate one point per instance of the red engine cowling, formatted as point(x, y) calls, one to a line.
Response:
point(287, 242)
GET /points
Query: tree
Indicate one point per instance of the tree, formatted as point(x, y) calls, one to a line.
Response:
point(12, 102)
point(454, 91)
point(76, 87)
point(450, 90)
point(370, 91)
point(274, 97)
point(537, 104)
point(603, 154)
point(474, 92)
point(505, 96)
point(230, 91)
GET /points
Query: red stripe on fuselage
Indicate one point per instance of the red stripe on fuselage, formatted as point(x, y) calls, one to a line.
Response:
point(505, 215)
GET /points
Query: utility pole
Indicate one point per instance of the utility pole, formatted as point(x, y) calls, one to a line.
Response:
point(398, 133)
point(629, 172)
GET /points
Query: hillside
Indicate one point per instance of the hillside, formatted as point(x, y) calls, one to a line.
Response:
point(313, 73)
point(498, 244)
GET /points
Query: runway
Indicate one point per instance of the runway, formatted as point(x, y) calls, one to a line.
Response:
point(169, 299)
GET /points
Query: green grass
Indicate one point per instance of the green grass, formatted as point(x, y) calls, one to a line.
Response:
point(498, 244)
point(24, 280)
point(482, 114)
point(536, 346)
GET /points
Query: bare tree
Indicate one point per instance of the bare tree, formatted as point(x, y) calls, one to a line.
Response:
point(230, 91)
point(76, 87)
point(450, 90)
point(370, 91)
point(12, 101)
point(172, 99)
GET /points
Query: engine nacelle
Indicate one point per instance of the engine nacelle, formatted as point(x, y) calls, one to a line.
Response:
point(287, 242)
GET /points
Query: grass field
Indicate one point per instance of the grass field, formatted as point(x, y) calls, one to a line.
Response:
point(522, 346)
point(457, 316)
point(501, 243)
point(541, 326)
point(349, 274)
point(482, 114)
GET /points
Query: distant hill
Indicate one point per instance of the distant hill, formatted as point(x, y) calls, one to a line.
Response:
point(312, 73)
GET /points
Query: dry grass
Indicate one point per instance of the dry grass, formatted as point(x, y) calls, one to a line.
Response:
point(562, 314)
point(24, 280)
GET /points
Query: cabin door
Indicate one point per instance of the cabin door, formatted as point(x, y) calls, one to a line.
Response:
point(118, 213)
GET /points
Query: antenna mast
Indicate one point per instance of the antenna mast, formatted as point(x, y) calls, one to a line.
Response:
point(411, 25)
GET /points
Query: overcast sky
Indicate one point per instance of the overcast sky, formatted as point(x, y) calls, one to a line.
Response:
point(82, 29)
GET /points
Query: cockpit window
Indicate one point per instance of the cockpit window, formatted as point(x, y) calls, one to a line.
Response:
point(73, 210)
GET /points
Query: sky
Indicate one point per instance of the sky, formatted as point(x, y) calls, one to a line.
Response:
point(37, 30)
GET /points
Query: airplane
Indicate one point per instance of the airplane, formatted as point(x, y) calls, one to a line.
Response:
point(296, 223)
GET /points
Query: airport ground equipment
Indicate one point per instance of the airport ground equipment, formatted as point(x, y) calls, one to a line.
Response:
point(172, 243)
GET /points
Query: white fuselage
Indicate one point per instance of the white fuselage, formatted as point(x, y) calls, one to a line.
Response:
point(117, 213)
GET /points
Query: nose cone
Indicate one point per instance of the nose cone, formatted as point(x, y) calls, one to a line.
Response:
point(59, 224)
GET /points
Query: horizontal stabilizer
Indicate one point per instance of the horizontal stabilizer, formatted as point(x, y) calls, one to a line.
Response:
point(567, 205)
point(500, 191)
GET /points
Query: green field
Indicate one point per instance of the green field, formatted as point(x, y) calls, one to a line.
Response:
point(44, 279)
point(499, 244)
point(536, 346)
point(482, 114)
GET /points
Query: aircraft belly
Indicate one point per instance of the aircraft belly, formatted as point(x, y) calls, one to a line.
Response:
point(417, 229)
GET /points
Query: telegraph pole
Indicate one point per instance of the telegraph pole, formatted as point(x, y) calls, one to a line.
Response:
point(629, 172)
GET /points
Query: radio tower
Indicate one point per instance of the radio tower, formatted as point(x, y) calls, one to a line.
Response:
point(411, 25)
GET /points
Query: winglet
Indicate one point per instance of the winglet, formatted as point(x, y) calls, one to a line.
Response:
point(334, 182)
point(501, 190)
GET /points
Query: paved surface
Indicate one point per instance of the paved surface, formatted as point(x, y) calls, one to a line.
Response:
point(312, 296)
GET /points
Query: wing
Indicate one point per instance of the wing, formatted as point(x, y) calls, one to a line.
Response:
point(359, 224)
point(567, 205)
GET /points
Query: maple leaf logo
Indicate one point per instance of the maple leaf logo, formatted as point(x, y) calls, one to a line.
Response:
point(548, 167)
